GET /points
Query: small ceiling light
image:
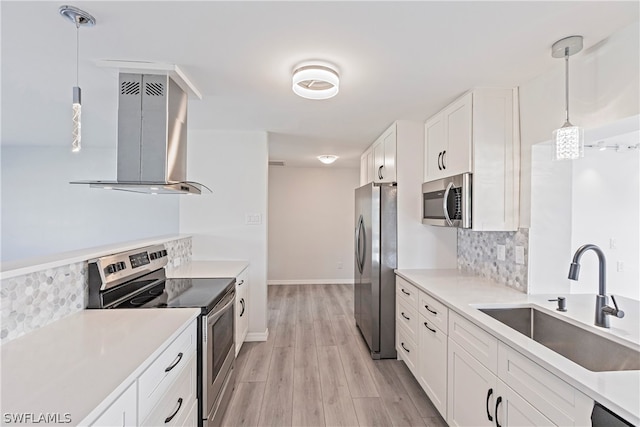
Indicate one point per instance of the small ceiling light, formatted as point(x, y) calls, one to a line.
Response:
point(316, 80)
point(79, 18)
point(327, 159)
point(569, 139)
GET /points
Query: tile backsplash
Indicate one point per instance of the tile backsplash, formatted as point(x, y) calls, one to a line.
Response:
point(477, 254)
point(33, 300)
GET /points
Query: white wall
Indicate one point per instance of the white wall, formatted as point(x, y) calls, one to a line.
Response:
point(234, 166)
point(43, 214)
point(311, 223)
point(604, 87)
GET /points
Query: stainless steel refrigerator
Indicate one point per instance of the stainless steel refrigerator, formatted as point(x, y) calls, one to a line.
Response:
point(375, 260)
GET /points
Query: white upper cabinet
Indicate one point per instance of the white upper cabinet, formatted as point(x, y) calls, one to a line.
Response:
point(378, 163)
point(448, 141)
point(480, 133)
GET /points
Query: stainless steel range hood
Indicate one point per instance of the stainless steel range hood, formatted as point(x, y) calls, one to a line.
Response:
point(152, 137)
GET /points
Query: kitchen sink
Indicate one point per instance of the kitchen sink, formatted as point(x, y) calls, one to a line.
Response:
point(587, 349)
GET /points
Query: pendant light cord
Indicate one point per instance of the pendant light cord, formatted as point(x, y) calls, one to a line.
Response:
point(566, 82)
point(77, 51)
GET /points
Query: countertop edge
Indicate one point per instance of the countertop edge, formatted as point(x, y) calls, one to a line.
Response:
point(510, 338)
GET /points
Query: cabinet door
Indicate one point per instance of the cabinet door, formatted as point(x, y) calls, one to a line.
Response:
point(122, 412)
point(512, 410)
point(434, 145)
point(389, 140)
point(378, 161)
point(456, 157)
point(370, 162)
point(432, 363)
point(242, 309)
point(471, 389)
point(364, 172)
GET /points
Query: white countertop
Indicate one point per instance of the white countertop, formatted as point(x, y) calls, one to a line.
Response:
point(18, 268)
point(195, 269)
point(618, 391)
point(79, 364)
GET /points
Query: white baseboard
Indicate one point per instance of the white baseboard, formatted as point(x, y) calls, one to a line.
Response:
point(311, 282)
point(257, 336)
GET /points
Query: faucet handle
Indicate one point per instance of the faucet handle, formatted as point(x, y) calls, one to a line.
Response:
point(618, 313)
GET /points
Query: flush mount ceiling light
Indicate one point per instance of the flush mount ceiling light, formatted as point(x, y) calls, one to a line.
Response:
point(569, 139)
point(327, 159)
point(316, 80)
point(80, 18)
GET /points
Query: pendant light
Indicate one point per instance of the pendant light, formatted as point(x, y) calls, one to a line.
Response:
point(568, 141)
point(79, 18)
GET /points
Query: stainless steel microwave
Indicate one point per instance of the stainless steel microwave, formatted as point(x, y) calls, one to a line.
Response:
point(447, 202)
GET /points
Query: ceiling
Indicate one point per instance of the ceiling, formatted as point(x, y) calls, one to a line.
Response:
point(397, 60)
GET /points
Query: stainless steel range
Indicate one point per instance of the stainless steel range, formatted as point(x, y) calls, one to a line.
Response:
point(136, 279)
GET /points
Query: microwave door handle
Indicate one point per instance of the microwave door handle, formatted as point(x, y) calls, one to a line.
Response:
point(445, 208)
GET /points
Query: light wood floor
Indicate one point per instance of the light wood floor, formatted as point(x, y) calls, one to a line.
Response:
point(315, 369)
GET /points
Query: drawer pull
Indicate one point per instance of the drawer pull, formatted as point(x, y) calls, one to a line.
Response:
point(179, 358)
point(489, 393)
point(240, 282)
point(243, 306)
point(430, 311)
point(405, 292)
point(405, 348)
point(403, 315)
point(170, 417)
point(498, 402)
point(427, 326)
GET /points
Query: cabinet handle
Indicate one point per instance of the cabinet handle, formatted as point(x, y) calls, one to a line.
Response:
point(489, 393)
point(240, 282)
point(403, 315)
point(427, 326)
point(170, 417)
point(242, 304)
point(405, 292)
point(430, 311)
point(174, 364)
point(405, 348)
point(444, 153)
point(439, 156)
point(498, 402)
point(380, 172)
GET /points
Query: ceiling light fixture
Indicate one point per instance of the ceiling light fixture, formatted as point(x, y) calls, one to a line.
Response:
point(327, 159)
point(316, 80)
point(79, 18)
point(569, 139)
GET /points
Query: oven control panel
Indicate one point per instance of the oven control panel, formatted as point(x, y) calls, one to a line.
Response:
point(118, 268)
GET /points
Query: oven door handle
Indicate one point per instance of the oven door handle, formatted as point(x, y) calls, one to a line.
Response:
point(226, 302)
point(445, 208)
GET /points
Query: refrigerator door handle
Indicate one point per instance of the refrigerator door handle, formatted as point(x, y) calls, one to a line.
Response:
point(358, 237)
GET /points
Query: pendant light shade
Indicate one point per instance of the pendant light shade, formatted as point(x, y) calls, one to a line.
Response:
point(79, 18)
point(568, 140)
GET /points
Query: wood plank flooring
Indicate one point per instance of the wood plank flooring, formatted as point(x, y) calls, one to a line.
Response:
point(315, 369)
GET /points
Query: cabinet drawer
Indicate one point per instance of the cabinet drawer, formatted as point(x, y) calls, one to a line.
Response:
point(554, 398)
point(406, 292)
point(480, 344)
point(176, 403)
point(165, 369)
point(432, 364)
point(407, 350)
point(434, 311)
point(407, 318)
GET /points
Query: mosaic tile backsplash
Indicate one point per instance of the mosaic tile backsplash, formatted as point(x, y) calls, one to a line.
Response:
point(34, 300)
point(477, 254)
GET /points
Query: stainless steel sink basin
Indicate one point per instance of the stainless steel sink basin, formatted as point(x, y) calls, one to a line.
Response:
point(583, 347)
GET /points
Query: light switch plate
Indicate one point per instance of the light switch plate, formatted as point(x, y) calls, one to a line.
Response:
point(252, 219)
point(501, 252)
point(519, 254)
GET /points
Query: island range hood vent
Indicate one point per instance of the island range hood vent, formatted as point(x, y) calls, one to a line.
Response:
point(152, 137)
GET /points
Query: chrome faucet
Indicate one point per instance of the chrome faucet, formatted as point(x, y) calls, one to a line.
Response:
point(603, 311)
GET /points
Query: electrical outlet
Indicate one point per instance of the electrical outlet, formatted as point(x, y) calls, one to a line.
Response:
point(340, 265)
point(519, 254)
point(252, 219)
point(620, 266)
point(613, 243)
point(502, 252)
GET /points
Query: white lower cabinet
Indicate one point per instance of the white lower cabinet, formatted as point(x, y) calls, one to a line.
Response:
point(512, 410)
point(242, 308)
point(432, 363)
point(407, 349)
point(122, 412)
